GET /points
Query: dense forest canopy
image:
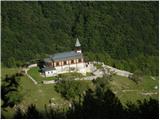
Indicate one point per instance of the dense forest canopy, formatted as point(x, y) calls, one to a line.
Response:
point(121, 34)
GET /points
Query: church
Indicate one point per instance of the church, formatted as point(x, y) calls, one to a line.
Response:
point(71, 61)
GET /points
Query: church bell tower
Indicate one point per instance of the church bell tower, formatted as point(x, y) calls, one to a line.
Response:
point(78, 46)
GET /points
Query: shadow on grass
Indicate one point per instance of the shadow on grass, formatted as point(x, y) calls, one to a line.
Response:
point(9, 90)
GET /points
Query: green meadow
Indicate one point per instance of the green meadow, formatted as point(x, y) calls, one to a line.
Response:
point(40, 95)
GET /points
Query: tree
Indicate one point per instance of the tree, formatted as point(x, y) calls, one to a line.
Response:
point(136, 77)
point(32, 30)
point(32, 112)
point(102, 85)
point(70, 89)
point(11, 94)
point(143, 109)
point(11, 62)
point(19, 114)
point(13, 97)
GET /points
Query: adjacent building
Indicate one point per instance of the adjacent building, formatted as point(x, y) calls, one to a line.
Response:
point(71, 61)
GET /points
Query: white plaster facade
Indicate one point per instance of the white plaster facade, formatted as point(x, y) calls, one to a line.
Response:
point(50, 73)
point(79, 67)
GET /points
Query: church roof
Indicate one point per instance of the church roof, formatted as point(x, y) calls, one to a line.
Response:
point(77, 43)
point(66, 55)
point(47, 60)
point(47, 69)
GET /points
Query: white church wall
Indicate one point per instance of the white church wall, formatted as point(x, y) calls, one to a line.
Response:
point(50, 73)
point(32, 65)
point(79, 67)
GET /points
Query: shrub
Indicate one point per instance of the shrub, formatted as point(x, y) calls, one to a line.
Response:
point(70, 89)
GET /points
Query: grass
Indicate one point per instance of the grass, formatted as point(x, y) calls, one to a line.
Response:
point(127, 90)
point(120, 85)
point(34, 94)
point(8, 71)
point(71, 75)
point(148, 83)
point(89, 74)
point(38, 94)
point(41, 94)
point(98, 66)
point(34, 72)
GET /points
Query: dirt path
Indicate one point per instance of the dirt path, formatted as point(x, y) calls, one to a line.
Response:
point(34, 81)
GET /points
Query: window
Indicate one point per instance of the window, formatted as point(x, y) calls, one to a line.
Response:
point(79, 60)
point(57, 63)
point(72, 61)
point(65, 62)
point(48, 72)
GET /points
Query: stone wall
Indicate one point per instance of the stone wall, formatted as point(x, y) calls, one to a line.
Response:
point(32, 65)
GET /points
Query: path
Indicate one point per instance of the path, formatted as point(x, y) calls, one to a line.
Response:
point(153, 78)
point(98, 73)
point(108, 68)
point(26, 71)
point(149, 93)
point(49, 82)
point(34, 81)
point(129, 90)
point(141, 92)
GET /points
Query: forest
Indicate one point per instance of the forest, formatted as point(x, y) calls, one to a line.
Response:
point(121, 34)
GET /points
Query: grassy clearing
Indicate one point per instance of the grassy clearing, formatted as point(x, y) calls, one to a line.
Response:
point(41, 94)
point(127, 90)
point(36, 94)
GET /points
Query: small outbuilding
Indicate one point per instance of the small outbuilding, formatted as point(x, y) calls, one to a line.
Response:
point(48, 72)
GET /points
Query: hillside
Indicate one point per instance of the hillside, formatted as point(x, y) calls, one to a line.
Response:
point(121, 34)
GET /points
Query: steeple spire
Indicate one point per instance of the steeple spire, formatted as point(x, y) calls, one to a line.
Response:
point(78, 46)
point(77, 43)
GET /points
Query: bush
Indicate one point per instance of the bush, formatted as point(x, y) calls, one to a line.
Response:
point(70, 89)
point(136, 77)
